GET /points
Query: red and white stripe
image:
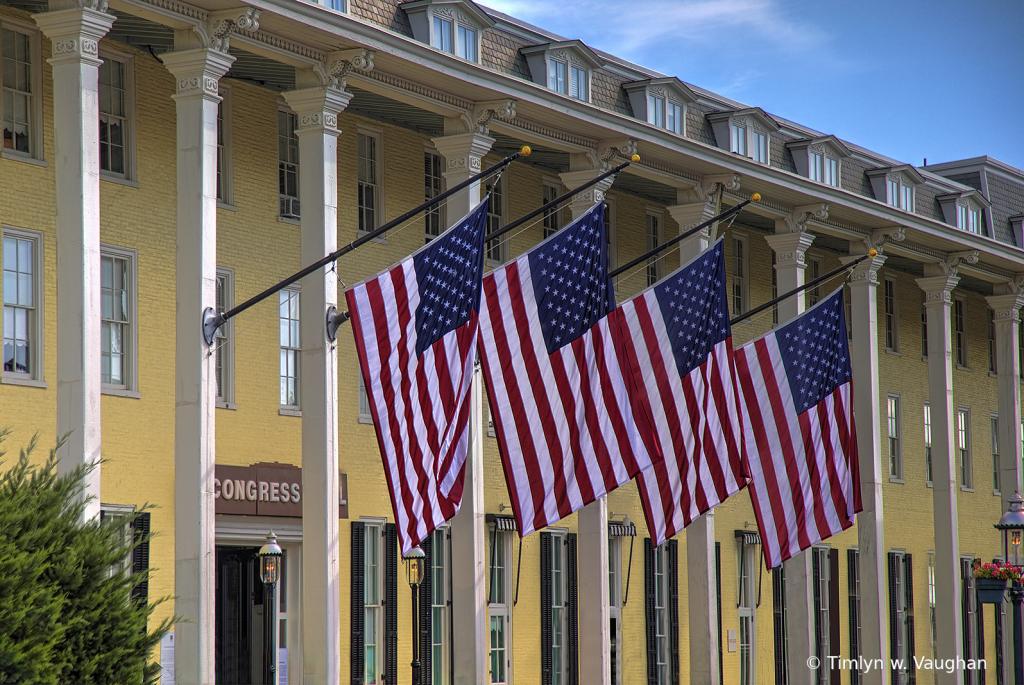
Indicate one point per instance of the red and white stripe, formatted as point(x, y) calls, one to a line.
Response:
point(420, 405)
point(695, 420)
point(804, 474)
point(564, 422)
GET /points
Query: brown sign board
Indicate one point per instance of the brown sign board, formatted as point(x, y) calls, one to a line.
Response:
point(265, 489)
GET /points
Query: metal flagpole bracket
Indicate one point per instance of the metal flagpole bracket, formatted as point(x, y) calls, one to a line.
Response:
point(211, 322)
point(334, 321)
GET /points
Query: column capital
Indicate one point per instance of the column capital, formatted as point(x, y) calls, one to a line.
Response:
point(197, 72)
point(865, 273)
point(790, 248)
point(317, 108)
point(589, 196)
point(478, 118)
point(463, 151)
point(1006, 307)
point(689, 215)
point(215, 32)
point(938, 289)
point(75, 31)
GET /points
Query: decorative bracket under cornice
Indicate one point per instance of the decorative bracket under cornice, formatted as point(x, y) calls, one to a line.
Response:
point(607, 150)
point(1016, 284)
point(955, 259)
point(882, 236)
point(478, 119)
point(341, 63)
point(98, 5)
point(215, 32)
point(796, 221)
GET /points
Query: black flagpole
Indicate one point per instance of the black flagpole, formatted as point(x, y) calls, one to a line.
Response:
point(872, 253)
point(213, 320)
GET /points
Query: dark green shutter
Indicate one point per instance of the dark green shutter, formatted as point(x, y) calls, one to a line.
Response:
point(908, 575)
point(779, 623)
point(819, 629)
point(650, 613)
point(572, 605)
point(358, 604)
point(894, 601)
point(1000, 658)
point(545, 608)
point(852, 572)
point(426, 613)
point(390, 604)
point(140, 556)
point(981, 640)
point(673, 605)
point(718, 601)
point(833, 611)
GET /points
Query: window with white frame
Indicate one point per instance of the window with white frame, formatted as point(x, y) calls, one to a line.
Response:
point(365, 413)
point(336, 5)
point(960, 331)
point(497, 249)
point(442, 39)
point(747, 611)
point(823, 168)
point(899, 193)
point(821, 564)
point(558, 76)
point(971, 627)
point(927, 443)
point(117, 333)
point(560, 648)
point(465, 46)
point(115, 109)
point(433, 182)
point(924, 326)
point(656, 111)
point(551, 221)
point(901, 622)
point(968, 218)
point(579, 86)
point(224, 166)
point(440, 606)
point(609, 228)
point(738, 139)
point(995, 453)
point(291, 347)
point(655, 265)
point(853, 584)
point(22, 322)
point(892, 324)
point(740, 299)
point(369, 179)
point(19, 80)
point(224, 340)
point(813, 271)
point(287, 164)
point(778, 575)
point(455, 37)
point(499, 608)
point(963, 447)
point(373, 603)
point(931, 598)
point(747, 133)
point(759, 146)
point(895, 440)
point(848, 310)
point(775, 290)
point(991, 340)
point(662, 619)
point(664, 113)
point(615, 606)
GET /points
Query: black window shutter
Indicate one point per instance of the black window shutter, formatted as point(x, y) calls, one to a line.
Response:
point(140, 556)
point(718, 601)
point(779, 623)
point(833, 611)
point(673, 605)
point(545, 608)
point(908, 575)
point(1000, 658)
point(390, 604)
point(980, 616)
point(649, 612)
point(427, 614)
point(893, 610)
point(573, 608)
point(818, 627)
point(358, 612)
point(852, 571)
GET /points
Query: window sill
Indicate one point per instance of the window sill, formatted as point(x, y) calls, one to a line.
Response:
point(894, 353)
point(289, 411)
point(287, 220)
point(996, 493)
point(16, 379)
point(227, 206)
point(366, 418)
point(121, 392)
point(380, 239)
point(120, 181)
point(964, 488)
point(18, 157)
point(928, 484)
point(221, 404)
point(993, 374)
point(924, 358)
point(963, 368)
point(894, 479)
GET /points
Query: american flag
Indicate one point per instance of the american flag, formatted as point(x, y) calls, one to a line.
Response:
point(416, 328)
point(678, 343)
point(562, 415)
point(801, 443)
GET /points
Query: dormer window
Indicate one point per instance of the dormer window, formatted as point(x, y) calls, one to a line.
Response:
point(745, 132)
point(819, 159)
point(563, 67)
point(452, 26)
point(895, 185)
point(899, 193)
point(967, 217)
point(965, 211)
point(661, 102)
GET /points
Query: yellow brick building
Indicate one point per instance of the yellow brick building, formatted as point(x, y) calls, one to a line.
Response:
point(216, 120)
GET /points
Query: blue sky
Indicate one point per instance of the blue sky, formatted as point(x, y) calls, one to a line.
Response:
point(942, 79)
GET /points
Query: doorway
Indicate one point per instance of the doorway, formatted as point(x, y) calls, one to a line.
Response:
point(239, 617)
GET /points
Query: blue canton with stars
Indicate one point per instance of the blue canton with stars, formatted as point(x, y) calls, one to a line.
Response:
point(693, 305)
point(815, 352)
point(570, 279)
point(448, 272)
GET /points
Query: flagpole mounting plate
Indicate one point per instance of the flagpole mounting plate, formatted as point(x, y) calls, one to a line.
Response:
point(334, 321)
point(211, 322)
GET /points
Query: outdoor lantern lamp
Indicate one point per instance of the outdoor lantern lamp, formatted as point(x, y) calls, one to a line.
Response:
point(270, 572)
point(1011, 524)
point(415, 560)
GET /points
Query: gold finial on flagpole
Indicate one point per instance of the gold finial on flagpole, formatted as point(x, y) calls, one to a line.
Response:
point(525, 151)
point(756, 197)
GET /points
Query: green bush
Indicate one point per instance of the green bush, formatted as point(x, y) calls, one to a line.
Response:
point(67, 614)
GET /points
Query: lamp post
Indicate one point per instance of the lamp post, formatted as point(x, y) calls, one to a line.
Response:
point(1011, 524)
point(270, 573)
point(414, 562)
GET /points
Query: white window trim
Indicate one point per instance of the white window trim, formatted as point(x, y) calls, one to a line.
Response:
point(815, 268)
point(227, 168)
point(926, 426)
point(966, 465)
point(744, 277)
point(36, 378)
point(343, 9)
point(504, 239)
point(228, 328)
point(613, 242)
point(658, 261)
point(615, 600)
point(131, 388)
point(748, 559)
point(36, 139)
point(966, 366)
point(456, 19)
point(283, 107)
point(378, 525)
point(900, 184)
point(364, 400)
point(558, 542)
point(899, 476)
point(130, 176)
point(378, 209)
point(290, 409)
point(895, 347)
point(444, 533)
point(823, 613)
point(996, 456)
point(503, 538)
point(439, 209)
point(555, 187)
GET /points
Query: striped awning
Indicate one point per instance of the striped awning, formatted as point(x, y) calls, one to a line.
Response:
point(621, 530)
point(502, 523)
point(749, 538)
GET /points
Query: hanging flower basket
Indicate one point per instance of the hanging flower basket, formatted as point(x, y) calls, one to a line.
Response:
point(990, 590)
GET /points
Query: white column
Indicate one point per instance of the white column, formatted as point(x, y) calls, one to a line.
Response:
point(686, 217)
point(1006, 313)
point(874, 598)
point(595, 659)
point(196, 73)
point(463, 154)
point(789, 266)
point(587, 198)
point(317, 112)
point(948, 641)
point(75, 34)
